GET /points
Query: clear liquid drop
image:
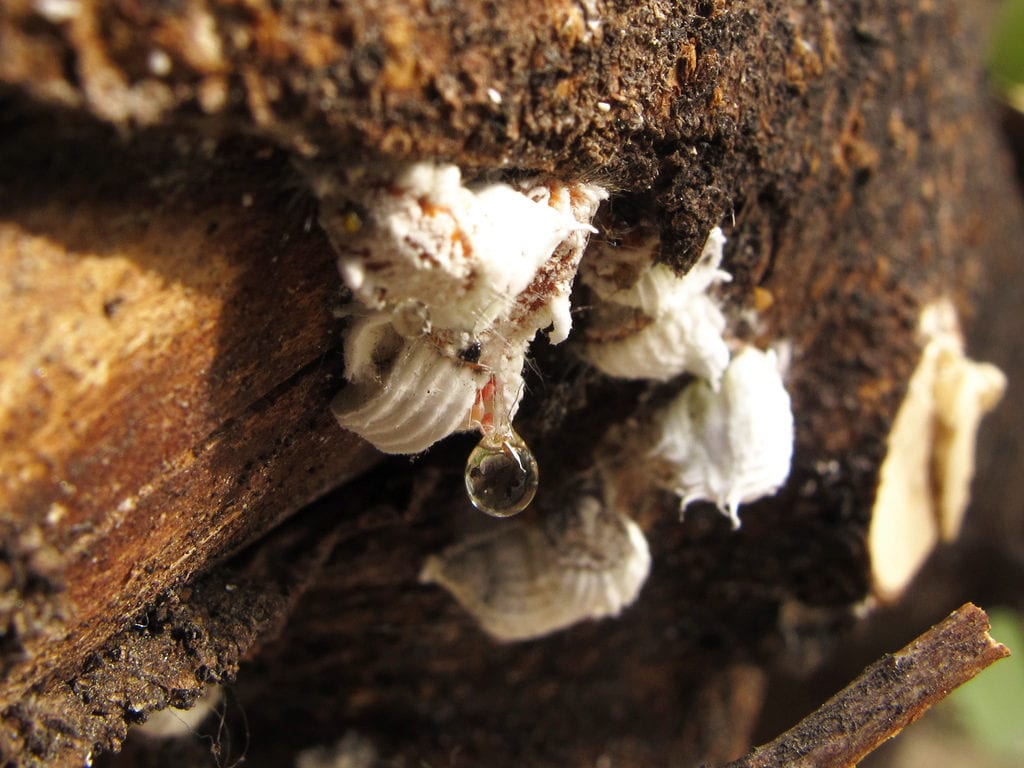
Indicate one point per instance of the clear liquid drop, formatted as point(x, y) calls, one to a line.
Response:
point(501, 474)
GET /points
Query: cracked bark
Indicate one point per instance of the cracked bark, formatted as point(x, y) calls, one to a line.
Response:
point(173, 349)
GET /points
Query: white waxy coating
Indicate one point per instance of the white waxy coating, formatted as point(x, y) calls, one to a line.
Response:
point(734, 445)
point(402, 402)
point(524, 581)
point(465, 254)
point(444, 269)
point(176, 723)
point(675, 326)
point(925, 481)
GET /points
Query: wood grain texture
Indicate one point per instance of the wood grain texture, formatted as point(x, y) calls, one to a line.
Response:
point(164, 363)
point(166, 375)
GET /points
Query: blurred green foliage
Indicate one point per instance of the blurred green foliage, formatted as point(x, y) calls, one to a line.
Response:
point(1006, 60)
point(991, 706)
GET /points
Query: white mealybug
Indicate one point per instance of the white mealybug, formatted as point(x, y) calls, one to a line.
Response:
point(924, 484)
point(455, 282)
point(730, 446)
point(466, 255)
point(402, 391)
point(522, 581)
point(651, 323)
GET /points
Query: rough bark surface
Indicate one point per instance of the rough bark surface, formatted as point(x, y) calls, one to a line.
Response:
point(143, 429)
point(172, 349)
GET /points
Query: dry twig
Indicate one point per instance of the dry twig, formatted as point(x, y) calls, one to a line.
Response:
point(891, 694)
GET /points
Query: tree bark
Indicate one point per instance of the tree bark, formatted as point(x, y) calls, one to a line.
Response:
point(172, 345)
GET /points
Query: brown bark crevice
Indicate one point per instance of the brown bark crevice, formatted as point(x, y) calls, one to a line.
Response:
point(175, 347)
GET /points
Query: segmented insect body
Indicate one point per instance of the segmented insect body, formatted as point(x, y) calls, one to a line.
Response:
point(522, 581)
point(457, 282)
point(652, 323)
point(925, 481)
point(730, 446)
point(403, 392)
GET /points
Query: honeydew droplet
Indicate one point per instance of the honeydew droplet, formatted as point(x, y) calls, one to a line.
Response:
point(501, 474)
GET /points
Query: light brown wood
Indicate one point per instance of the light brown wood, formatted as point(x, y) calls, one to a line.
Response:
point(164, 363)
point(168, 350)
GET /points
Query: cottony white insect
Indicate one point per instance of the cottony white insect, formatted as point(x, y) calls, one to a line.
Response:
point(403, 392)
point(925, 481)
point(458, 282)
point(733, 445)
point(652, 323)
point(465, 255)
point(522, 581)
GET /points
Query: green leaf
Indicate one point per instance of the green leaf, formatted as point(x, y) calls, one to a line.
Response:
point(1006, 60)
point(991, 706)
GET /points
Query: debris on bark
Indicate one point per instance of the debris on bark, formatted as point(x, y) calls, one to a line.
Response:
point(172, 342)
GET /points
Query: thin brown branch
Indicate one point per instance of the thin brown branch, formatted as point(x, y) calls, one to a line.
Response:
point(890, 694)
